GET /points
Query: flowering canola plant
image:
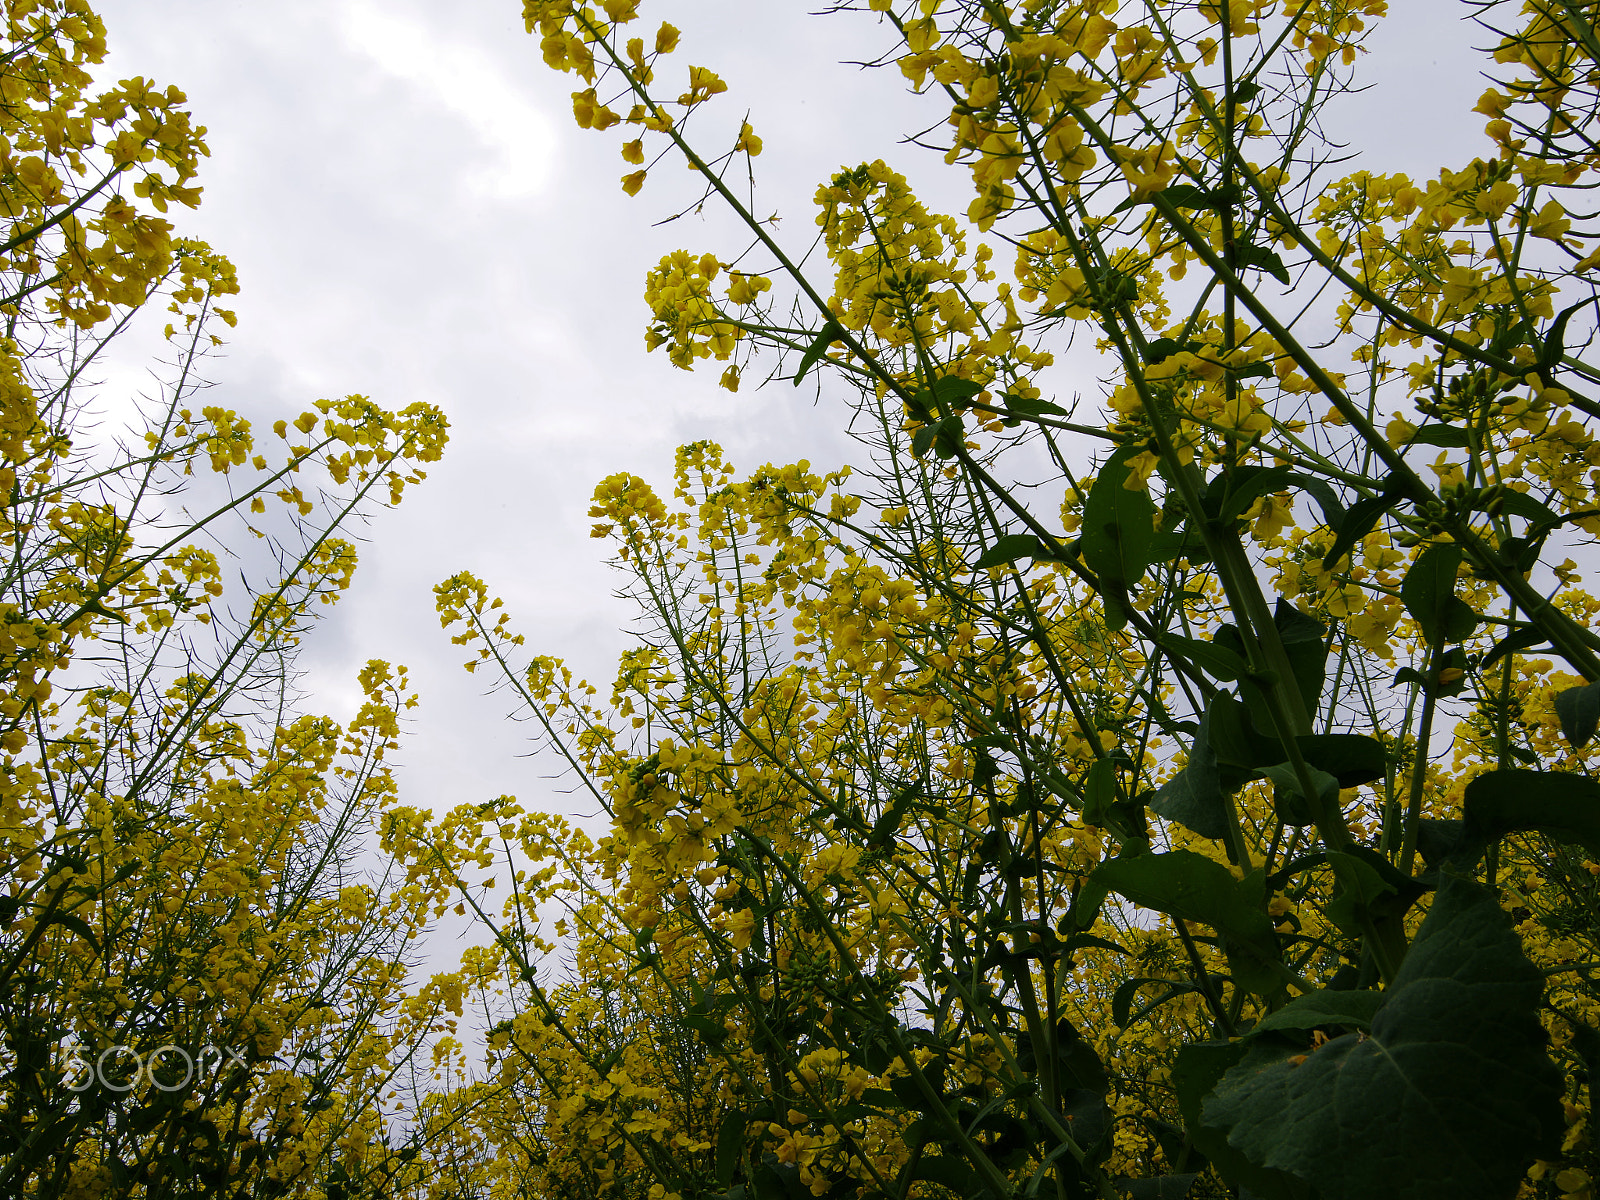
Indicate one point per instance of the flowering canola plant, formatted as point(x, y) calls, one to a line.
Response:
point(203, 950)
point(1182, 791)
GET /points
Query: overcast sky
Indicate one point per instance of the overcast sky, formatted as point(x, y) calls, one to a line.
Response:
point(414, 216)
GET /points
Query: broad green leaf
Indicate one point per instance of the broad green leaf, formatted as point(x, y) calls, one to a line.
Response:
point(1429, 594)
point(1369, 887)
point(1195, 1073)
point(1194, 796)
point(1192, 887)
point(1118, 524)
point(1008, 549)
point(1449, 436)
point(1579, 711)
point(1292, 804)
point(1351, 758)
point(1099, 793)
point(1451, 1093)
point(1230, 494)
point(1247, 255)
point(955, 391)
point(1317, 1009)
point(1558, 804)
point(1520, 504)
point(1028, 406)
point(1219, 662)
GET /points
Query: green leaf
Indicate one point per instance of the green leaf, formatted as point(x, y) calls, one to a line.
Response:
point(1194, 797)
point(1026, 406)
point(1559, 805)
point(1579, 711)
point(1128, 990)
point(1192, 887)
point(1161, 349)
point(1247, 255)
point(1008, 549)
point(951, 1172)
point(1195, 1073)
point(1286, 780)
point(1099, 793)
point(1520, 504)
point(1448, 436)
point(1118, 524)
point(830, 333)
point(1451, 1093)
point(1314, 1010)
point(1351, 758)
point(78, 926)
point(1370, 889)
point(1327, 499)
point(1303, 645)
point(1359, 520)
point(730, 1146)
point(1520, 638)
point(1229, 494)
point(954, 391)
point(1219, 662)
point(1429, 594)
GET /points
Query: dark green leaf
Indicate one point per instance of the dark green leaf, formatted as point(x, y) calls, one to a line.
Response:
point(1451, 1094)
point(1359, 520)
point(1099, 793)
point(1247, 255)
point(1520, 504)
point(730, 1146)
point(1160, 1187)
point(1370, 889)
point(1314, 1010)
point(1187, 195)
point(1219, 662)
point(1178, 543)
point(1194, 888)
point(1327, 500)
point(830, 333)
point(1302, 636)
point(1025, 406)
point(1118, 524)
point(1195, 1073)
point(1518, 639)
point(1351, 758)
point(1008, 549)
point(1429, 593)
point(1230, 494)
point(954, 391)
point(1286, 779)
point(1194, 796)
point(1448, 436)
point(1128, 991)
point(78, 926)
point(1160, 350)
point(1557, 804)
point(1579, 711)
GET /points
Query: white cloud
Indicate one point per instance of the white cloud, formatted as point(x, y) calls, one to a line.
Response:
point(467, 83)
